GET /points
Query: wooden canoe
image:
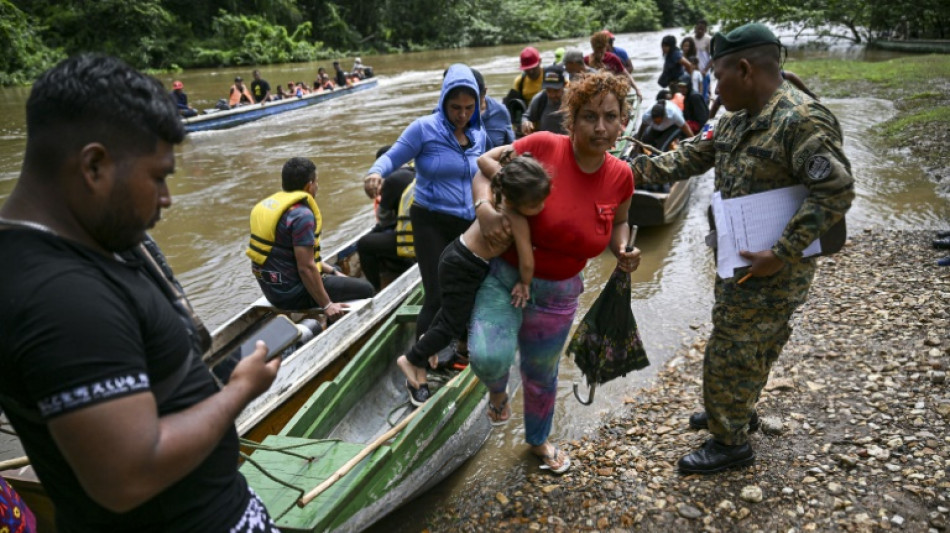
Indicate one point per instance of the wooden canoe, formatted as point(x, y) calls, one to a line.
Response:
point(360, 405)
point(311, 364)
point(651, 206)
point(217, 120)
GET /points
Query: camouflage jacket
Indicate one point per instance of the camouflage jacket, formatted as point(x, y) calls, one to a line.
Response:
point(793, 140)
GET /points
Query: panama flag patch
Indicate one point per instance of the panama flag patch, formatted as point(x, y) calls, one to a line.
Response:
point(706, 133)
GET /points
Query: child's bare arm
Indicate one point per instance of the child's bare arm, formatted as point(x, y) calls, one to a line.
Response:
point(522, 237)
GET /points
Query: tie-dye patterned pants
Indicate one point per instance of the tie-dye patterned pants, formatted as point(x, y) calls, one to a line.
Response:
point(538, 332)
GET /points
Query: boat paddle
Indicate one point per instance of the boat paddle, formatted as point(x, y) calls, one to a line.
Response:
point(373, 446)
point(18, 462)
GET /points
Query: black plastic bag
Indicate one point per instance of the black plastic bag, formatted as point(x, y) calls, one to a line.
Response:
point(607, 343)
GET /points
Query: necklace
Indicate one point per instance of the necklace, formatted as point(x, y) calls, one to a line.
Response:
point(27, 224)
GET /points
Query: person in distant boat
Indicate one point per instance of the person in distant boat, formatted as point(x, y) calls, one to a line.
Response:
point(358, 68)
point(694, 107)
point(702, 41)
point(495, 117)
point(341, 78)
point(544, 112)
point(181, 100)
point(285, 248)
point(602, 59)
point(280, 93)
point(619, 52)
point(239, 95)
point(518, 191)
point(574, 63)
point(675, 65)
point(323, 80)
point(100, 351)
point(301, 89)
point(661, 121)
point(388, 247)
point(525, 86)
point(260, 89)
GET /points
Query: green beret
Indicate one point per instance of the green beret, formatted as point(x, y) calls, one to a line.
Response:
point(746, 36)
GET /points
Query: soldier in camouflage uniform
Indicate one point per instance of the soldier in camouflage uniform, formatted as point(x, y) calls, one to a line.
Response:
point(776, 136)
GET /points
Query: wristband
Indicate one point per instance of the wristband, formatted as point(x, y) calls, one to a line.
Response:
point(479, 203)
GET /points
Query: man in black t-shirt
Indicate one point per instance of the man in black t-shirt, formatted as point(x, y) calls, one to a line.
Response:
point(100, 355)
point(260, 89)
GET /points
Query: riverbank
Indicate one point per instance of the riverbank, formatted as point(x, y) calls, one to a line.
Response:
point(854, 433)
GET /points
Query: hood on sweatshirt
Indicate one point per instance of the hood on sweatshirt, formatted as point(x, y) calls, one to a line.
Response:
point(459, 75)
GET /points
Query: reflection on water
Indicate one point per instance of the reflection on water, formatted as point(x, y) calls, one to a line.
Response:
point(220, 175)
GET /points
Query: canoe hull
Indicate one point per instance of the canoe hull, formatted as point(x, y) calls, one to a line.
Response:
point(356, 408)
point(244, 114)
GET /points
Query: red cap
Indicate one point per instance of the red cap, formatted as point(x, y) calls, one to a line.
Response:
point(530, 58)
point(609, 35)
point(177, 85)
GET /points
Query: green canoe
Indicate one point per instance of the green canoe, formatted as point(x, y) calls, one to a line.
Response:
point(343, 416)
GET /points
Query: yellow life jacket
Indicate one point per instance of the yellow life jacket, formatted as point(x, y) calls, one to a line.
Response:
point(404, 247)
point(266, 215)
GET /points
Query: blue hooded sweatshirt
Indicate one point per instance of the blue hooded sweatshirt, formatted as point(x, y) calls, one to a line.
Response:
point(444, 170)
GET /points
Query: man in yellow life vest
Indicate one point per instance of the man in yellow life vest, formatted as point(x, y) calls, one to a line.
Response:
point(285, 248)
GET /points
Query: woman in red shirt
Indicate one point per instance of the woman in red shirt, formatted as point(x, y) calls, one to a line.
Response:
point(585, 213)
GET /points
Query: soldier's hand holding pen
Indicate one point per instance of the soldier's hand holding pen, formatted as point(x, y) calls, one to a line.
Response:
point(764, 264)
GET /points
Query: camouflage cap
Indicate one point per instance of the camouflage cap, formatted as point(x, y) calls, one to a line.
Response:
point(746, 36)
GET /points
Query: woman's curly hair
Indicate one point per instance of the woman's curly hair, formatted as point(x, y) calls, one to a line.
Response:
point(590, 86)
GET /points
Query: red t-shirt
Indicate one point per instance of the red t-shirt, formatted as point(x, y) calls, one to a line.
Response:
point(578, 216)
point(611, 61)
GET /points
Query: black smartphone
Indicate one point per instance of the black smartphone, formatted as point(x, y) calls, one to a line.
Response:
point(278, 334)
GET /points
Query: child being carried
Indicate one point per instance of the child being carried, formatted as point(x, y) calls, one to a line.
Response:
point(518, 191)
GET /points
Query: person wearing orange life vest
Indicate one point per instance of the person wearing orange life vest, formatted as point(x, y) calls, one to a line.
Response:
point(238, 94)
point(285, 248)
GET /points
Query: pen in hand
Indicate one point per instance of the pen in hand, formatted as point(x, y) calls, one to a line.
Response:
point(747, 276)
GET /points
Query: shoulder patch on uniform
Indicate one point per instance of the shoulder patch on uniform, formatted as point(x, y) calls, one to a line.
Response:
point(818, 167)
point(707, 132)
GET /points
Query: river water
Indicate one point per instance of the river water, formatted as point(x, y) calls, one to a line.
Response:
point(221, 175)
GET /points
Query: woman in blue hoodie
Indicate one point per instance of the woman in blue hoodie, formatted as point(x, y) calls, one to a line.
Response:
point(445, 146)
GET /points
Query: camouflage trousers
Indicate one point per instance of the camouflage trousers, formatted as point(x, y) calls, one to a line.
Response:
point(750, 328)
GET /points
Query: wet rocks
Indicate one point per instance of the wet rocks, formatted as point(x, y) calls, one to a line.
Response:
point(855, 419)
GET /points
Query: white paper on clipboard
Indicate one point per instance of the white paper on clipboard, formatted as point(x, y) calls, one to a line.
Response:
point(754, 223)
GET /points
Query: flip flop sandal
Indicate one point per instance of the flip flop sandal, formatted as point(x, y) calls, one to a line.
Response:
point(551, 459)
point(499, 415)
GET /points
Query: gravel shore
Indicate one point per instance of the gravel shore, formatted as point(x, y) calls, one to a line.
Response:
point(854, 434)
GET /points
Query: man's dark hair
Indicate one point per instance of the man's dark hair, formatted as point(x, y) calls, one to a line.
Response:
point(297, 173)
point(96, 98)
point(658, 110)
point(383, 150)
point(669, 40)
point(480, 81)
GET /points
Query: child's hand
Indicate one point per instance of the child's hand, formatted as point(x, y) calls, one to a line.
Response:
point(520, 294)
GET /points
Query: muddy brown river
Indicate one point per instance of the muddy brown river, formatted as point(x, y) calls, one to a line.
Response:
point(221, 175)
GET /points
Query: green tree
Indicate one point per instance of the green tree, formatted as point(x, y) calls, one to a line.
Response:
point(25, 54)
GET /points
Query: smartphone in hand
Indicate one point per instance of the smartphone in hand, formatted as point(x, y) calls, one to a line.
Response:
point(278, 334)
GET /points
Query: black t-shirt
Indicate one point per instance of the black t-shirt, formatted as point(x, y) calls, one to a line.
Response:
point(393, 187)
point(340, 78)
point(259, 89)
point(77, 329)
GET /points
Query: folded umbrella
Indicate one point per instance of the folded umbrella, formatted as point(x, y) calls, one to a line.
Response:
point(607, 343)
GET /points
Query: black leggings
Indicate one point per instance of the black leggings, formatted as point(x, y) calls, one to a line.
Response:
point(378, 253)
point(431, 233)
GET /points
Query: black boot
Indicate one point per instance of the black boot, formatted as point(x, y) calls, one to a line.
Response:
point(942, 244)
point(715, 457)
point(701, 421)
point(943, 234)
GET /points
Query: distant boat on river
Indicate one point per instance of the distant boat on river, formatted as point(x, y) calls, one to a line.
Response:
point(219, 120)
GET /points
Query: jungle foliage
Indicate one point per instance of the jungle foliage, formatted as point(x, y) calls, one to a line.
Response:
point(172, 34)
